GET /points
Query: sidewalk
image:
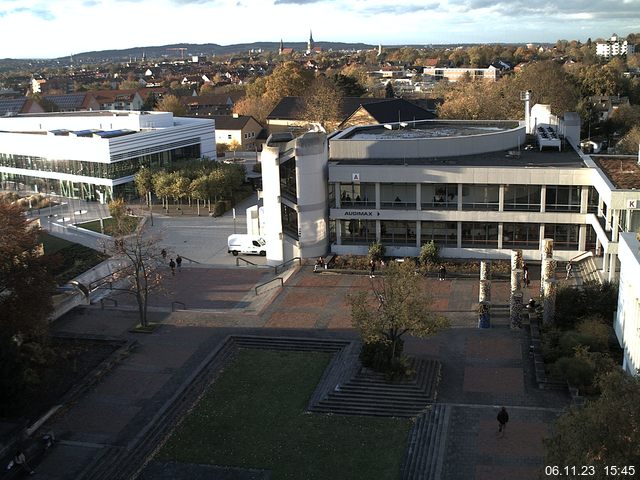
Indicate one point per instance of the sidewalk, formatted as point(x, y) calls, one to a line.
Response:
point(481, 369)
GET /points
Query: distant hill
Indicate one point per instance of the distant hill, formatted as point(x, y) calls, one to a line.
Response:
point(207, 49)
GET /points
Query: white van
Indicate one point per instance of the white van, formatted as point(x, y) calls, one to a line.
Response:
point(243, 243)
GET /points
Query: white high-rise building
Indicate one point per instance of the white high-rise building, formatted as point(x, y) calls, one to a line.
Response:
point(614, 47)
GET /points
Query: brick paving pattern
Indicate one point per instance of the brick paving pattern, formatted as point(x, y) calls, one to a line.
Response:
point(481, 369)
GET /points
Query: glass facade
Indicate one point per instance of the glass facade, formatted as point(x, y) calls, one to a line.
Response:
point(565, 237)
point(561, 198)
point(521, 235)
point(290, 221)
point(479, 235)
point(358, 195)
point(361, 232)
point(114, 170)
point(288, 187)
point(480, 197)
point(398, 195)
point(444, 234)
point(522, 198)
point(398, 232)
point(439, 196)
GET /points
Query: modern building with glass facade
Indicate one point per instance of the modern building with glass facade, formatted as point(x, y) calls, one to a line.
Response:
point(95, 155)
point(478, 189)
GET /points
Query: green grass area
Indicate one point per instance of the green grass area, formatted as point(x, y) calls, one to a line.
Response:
point(68, 259)
point(53, 244)
point(253, 417)
point(109, 224)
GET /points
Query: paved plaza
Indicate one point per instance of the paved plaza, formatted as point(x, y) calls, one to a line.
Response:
point(481, 369)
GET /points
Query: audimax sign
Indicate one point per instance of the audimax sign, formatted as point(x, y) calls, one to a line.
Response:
point(361, 213)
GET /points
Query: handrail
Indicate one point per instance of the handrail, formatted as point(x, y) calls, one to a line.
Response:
point(586, 254)
point(190, 260)
point(266, 283)
point(245, 261)
point(174, 303)
point(287, 262)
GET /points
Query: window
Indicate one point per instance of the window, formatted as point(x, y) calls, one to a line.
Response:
point(444, 234)
point(521, 235)
point(593, 200)
point(398, 232)
point(398, 195)
point(476, 235)
point(439, 196)
point(358, 195)
point(560, 198)
point(288, 184)
point(358, 231)
point(290, 221)
point(565, 236)
point(524, 198)
point(480, 197)
point(229, 137)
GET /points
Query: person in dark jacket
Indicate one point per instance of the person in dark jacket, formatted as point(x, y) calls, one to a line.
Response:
point(503, 418)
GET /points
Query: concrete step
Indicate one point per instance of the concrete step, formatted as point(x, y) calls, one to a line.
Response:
point(370, 393)
point(289, 344)
point(426, 445)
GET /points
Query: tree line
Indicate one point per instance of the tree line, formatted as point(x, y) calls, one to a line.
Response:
point(201, 180)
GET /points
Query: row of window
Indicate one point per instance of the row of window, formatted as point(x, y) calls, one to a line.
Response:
point(445, 234)
point(112, 171)
point(558, 198)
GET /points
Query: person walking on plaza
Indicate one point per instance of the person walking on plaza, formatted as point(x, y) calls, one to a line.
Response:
point(525, 269)
point(179, 262)
point(442, 273)
point(172, 266)
point(372, 268)
point(319, 264)
point(503, 418)
point(21, 461)
point(164, 254)
point(569, 270)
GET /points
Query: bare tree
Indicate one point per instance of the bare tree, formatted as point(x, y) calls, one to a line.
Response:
point(142, 256)
point(322, 103)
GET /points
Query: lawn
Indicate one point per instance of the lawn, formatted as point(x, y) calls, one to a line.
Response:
point(68, 259)
point(109, 224)
point(253, 417)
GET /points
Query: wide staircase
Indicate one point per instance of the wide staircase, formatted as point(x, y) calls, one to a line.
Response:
point(424, 457)
point(586, 270)
point(371, 393)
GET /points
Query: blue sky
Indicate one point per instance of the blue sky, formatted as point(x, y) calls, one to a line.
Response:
point(54, 28)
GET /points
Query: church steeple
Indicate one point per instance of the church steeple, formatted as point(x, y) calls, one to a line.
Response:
point(310, 42)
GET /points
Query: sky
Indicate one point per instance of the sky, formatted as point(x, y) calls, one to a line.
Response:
point(57, 28)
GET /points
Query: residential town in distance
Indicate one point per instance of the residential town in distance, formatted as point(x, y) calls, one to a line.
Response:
point(293, 183)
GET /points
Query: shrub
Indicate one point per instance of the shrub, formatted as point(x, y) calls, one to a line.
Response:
point(378, 355)
point(578, 370)
point(219, 208)
point(376, 251)
point(429, 253)
point(594, 333)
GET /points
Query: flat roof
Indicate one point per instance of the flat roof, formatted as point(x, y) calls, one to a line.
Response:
point(428, 129)
point(622, 171)
point(531, 158)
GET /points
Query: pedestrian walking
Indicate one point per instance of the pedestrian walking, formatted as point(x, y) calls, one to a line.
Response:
point(569, 269)
point(164, 254)
point(503, 418)
point(178, 261)
point(319, 264)
point(525, 269)
point(372, 268)
point(442, 273)
point(172, 266)
point(21, 461)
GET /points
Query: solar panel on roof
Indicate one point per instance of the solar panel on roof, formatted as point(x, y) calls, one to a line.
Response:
point(11, 106)
point(113, 133)
point(67, 102)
